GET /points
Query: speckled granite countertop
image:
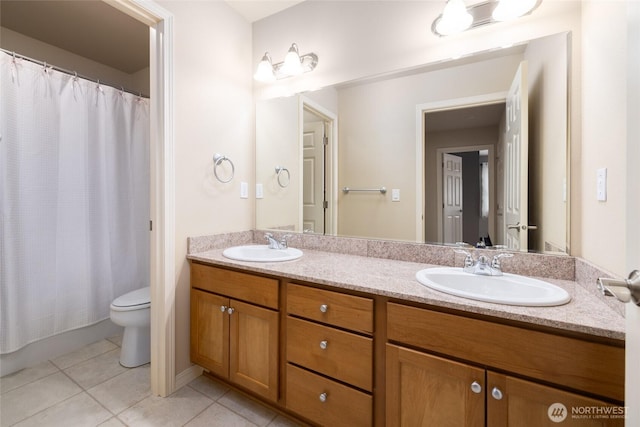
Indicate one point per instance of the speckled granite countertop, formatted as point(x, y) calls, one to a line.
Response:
point(586, 313)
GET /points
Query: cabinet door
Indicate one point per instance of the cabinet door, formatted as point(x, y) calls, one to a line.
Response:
point(254, 349)
point(518, 403)
point(210, 332)
point(425, 390)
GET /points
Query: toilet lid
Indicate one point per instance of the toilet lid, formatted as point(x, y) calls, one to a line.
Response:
point(138, 299)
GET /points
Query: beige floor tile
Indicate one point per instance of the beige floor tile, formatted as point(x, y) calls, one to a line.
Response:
point(210, 388)
point(32, 398)
point(83, 354)
point(97, 370)
point(117, 340)
point(250, 409)
point(175, 410)
point(218, 416)
point(79, 410)
point(124, 390)
point(112, 422)
point(25, 376)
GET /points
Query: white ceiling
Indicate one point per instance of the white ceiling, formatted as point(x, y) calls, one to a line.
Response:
point(255, 10)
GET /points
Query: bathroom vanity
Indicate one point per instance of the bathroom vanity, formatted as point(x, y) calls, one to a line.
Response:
point(344, 340)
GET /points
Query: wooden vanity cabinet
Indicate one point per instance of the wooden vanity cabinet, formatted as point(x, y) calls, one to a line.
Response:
point(427, 389)
point(329, 371)
point(235, 327)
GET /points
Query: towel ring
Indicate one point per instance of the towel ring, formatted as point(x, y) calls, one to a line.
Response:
point(279, 172)
point(217, 161)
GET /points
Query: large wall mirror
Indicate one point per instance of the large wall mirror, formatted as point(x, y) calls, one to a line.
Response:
point(470, 150)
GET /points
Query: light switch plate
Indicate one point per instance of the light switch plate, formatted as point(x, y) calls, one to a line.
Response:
point(259, 191)
point(395, 195)
point(244, 190)
point(601, 184)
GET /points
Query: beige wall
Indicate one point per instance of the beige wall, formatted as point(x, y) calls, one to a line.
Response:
point(604, 132)
point(35, 49)
point(213, 114)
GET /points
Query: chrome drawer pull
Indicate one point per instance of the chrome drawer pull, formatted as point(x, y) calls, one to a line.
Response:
point(323, 397)
point(324, 308)
point(223, 308)
point(496, 393)
point(230, 310)
point(323, 344)
point(476, 387)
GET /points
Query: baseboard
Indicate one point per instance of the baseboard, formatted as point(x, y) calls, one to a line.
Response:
point(186, 376)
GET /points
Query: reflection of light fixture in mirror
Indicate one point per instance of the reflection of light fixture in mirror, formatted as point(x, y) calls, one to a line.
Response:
point(293, 65)
point(454, 19)
point(264, 72)
point(489, 12)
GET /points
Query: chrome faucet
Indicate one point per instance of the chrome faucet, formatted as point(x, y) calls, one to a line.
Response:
point(275, 244)
point(482, 266)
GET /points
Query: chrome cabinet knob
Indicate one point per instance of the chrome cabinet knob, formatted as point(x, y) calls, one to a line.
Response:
point(323, 344)
point(476, 387)
point(230, 310)
point(223, 308)
point(323, 397)
point(496, 393)
point(324, 308)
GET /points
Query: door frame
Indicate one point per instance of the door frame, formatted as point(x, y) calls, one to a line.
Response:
point(421, 141)
point(439, 196)
point(162, 189)
point(331, 160)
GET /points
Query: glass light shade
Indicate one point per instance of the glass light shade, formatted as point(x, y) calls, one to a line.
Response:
point(292, 64)
point(454, 19)
point(264, 72)
point(511, 9)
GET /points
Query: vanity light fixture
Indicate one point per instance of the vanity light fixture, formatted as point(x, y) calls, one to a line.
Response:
point(294, 64)
point(456, 17)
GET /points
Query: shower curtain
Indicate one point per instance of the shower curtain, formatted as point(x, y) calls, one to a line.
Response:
point(74, 194)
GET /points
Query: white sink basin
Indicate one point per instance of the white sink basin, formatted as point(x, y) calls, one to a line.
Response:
point(510, 289)
point(261, 253)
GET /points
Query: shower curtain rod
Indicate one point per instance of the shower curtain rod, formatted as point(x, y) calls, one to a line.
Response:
point(72, 73)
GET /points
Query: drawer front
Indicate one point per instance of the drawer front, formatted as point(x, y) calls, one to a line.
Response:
point(599, 368)
point(333, 308)
point(342, 405)
point(341, 355)
point(245, 287)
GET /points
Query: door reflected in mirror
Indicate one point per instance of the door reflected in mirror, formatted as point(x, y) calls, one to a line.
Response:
point(383, 132)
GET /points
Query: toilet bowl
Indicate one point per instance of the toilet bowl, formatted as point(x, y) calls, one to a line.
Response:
point(132, 310)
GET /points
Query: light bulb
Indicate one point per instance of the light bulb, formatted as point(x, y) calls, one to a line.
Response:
point(292, 64)
point(264, 72)
point(454, 19)
point(511, 9)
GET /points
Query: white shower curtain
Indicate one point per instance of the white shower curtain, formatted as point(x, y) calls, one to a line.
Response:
point(74, 194)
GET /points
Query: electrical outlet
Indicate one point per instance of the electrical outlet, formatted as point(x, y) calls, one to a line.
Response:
point(601, 184)
point(244, 190)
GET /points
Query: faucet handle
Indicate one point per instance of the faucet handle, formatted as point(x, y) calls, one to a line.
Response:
point(495, 263)
point(468, 260)
point(283, 241)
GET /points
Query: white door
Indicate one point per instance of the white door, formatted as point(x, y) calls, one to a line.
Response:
point(313, 197)
point(452, 198)
point(516, 162)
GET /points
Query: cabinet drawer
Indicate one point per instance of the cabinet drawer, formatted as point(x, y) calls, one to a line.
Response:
point(346, 357)
point(343, 406)
point(540, 355)
point(333, 308)
point(245, 287)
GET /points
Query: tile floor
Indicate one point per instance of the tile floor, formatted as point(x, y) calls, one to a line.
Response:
point(88, 387)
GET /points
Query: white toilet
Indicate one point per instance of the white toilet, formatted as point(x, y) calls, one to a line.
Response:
point(132, 310)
